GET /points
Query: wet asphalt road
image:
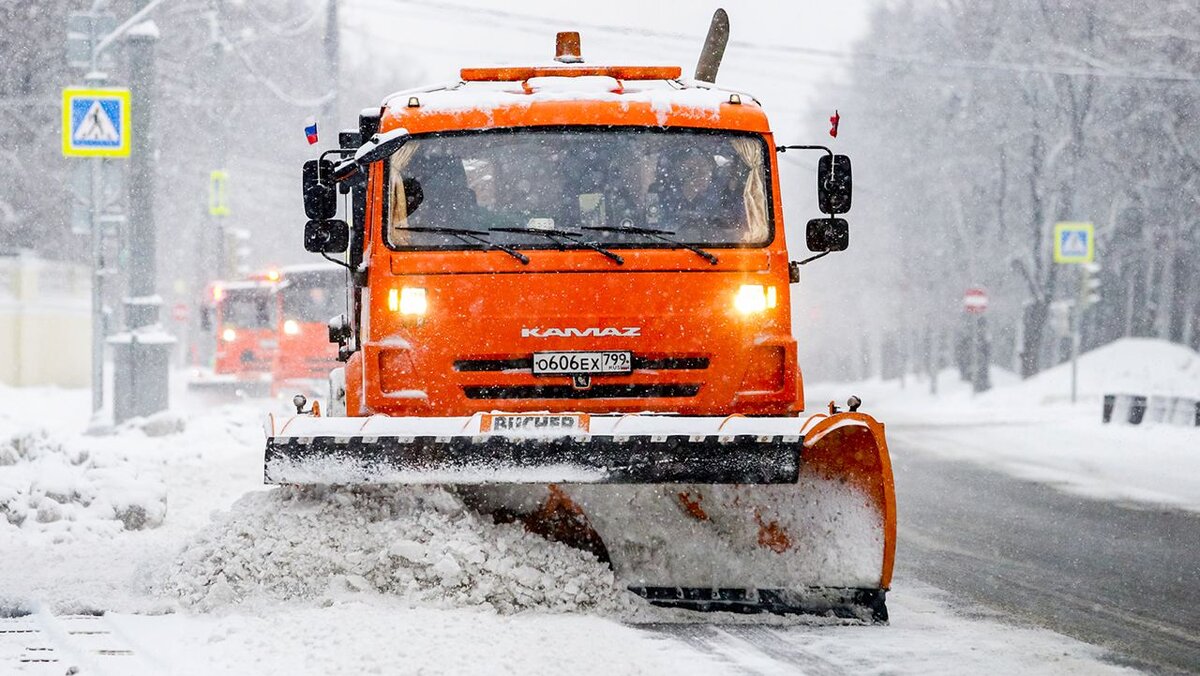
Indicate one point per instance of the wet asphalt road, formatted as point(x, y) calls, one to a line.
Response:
point(1124, 577)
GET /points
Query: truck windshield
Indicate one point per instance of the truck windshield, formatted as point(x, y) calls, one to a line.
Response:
point(706, 188)
point(248, 309)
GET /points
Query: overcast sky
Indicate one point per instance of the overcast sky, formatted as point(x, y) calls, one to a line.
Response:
point(437, 38)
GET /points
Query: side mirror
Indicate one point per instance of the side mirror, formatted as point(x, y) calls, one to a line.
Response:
point(834, 184)
point(320, 196)
point(326, 236)
point(828, 234)
point(380, 147)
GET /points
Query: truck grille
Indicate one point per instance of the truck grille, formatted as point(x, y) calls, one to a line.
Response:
point(639, 362)
point(569, 392)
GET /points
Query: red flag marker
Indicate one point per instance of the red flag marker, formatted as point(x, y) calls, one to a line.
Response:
point(834, 121)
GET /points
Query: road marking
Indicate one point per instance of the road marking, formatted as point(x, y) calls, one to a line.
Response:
point(87, 644)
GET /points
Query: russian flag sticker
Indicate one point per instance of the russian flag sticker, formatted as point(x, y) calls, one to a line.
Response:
point(310, 130)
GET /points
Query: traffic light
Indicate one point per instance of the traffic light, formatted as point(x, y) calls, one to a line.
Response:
point(1089, 284)
point(217, 204)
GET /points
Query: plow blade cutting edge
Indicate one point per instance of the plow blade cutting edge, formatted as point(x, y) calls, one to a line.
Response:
point(738, 514)
point(579, 449)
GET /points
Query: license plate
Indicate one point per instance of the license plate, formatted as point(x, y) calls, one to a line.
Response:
point(579, 363)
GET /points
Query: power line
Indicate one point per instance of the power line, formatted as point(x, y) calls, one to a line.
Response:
point(266, 82)
point(432, 14)
point(541, 23)
point(299, 28)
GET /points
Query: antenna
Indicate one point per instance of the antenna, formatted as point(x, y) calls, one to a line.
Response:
point(714, 47)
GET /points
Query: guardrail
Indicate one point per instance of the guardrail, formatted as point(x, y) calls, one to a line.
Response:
point(1134, 409)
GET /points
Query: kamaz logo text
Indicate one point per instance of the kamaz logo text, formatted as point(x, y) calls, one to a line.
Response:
point(590, 332)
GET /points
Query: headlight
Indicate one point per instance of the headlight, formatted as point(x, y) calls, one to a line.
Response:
point(753, 298)
point(291, 328)
point(409, 300)
point(229, 335)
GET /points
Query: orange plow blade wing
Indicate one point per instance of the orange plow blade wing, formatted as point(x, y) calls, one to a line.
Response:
point(823, 543)
point(851, 447)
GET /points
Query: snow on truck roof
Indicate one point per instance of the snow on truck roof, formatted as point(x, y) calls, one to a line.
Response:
point(671, 100)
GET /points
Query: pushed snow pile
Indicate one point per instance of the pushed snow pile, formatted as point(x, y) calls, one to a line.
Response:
point(1144, 366)
point(161, 424)
point(418, 543)
point(50, 485)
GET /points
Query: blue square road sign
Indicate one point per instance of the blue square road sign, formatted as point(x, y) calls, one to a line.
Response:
point(1074, 243)
point(95, 122)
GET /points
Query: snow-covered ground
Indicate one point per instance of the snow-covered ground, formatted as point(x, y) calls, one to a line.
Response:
point(165, 527)
point(1031, 430)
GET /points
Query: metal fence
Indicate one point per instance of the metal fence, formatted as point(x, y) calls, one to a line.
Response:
point(1134, 409)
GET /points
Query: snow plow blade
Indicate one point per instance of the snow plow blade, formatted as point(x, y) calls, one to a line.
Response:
point(551, 449)
point(780, 515)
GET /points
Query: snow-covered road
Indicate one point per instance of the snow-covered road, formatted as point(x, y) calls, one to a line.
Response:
point(139, 526)
point(370, 634)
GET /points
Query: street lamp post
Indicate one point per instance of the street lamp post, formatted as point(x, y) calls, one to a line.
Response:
point(141, 353)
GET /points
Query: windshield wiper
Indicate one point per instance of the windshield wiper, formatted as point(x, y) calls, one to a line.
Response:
point(554, 235)
point(473, 237)
point(656, 234)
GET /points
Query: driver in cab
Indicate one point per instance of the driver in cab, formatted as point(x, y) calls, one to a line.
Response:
point(696, 201)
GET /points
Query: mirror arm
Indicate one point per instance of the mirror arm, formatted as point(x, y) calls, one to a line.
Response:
point(826, 150)
point(337, 151)
point(342, 170)
point(335, 261)
point(784, 149)
point(342, 152)
point(810, 259)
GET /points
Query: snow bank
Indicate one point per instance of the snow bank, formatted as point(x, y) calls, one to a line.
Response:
point(58, 487)
point(1029, 429)
point(1127, 366)
point(420, 544)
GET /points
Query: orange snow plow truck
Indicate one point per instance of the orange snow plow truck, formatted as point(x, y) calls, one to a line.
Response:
point(569, 302)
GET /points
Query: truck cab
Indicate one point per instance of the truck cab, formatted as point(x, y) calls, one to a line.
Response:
point(308, 295)
point(244, 329)
point(560, 238)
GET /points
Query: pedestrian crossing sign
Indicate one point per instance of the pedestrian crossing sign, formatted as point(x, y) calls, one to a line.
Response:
point(1074, 243)
point(95, 122)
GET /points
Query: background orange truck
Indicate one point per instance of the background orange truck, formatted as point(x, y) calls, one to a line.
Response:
point(307, 296)
point(238, 325)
